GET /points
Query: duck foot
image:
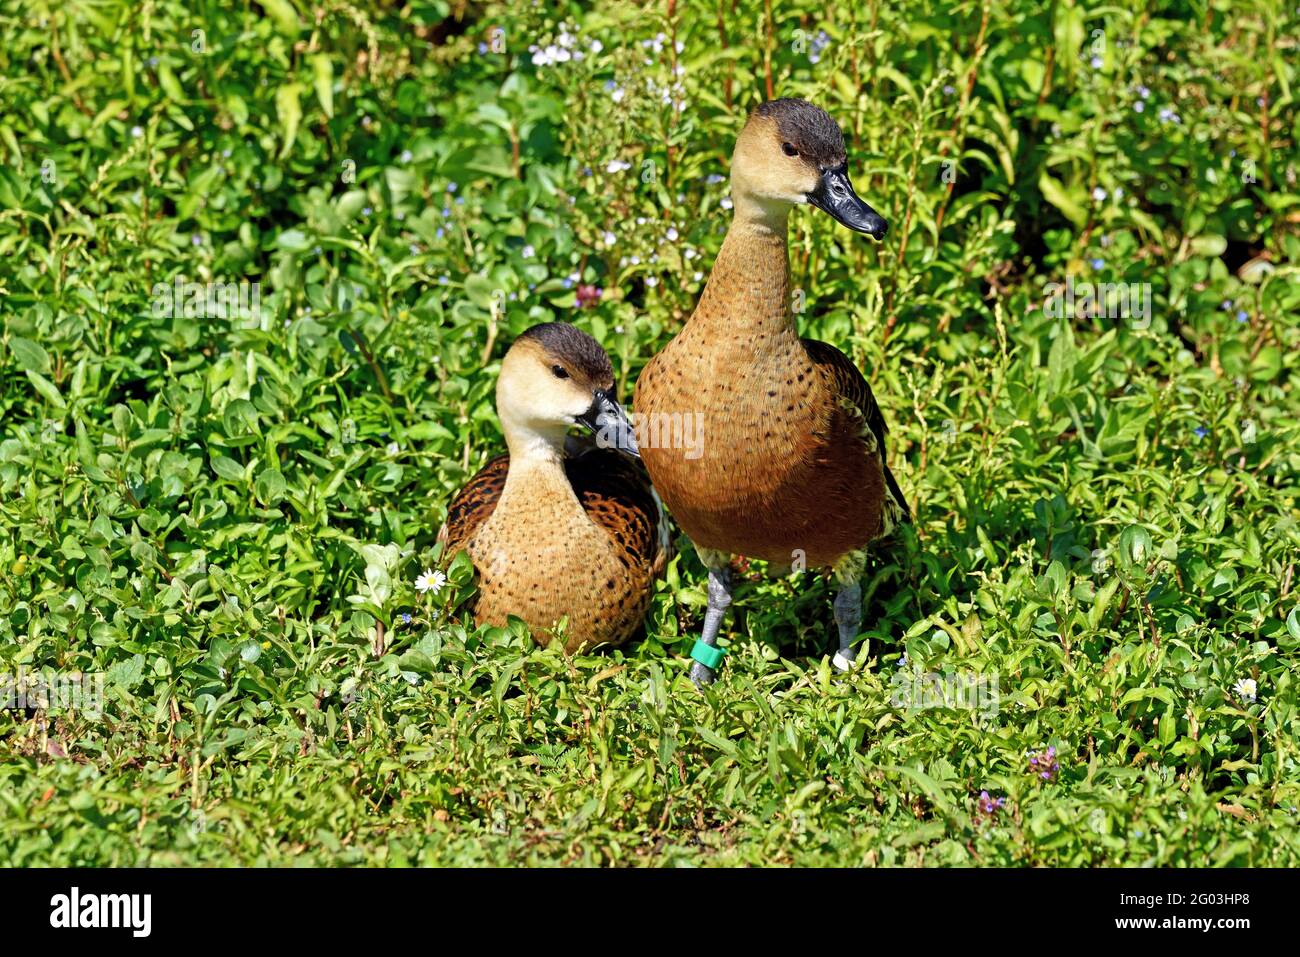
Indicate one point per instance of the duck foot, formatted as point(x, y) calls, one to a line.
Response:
point(848, 618)
point(702, 674)
point(707, 654)
point(844, 660)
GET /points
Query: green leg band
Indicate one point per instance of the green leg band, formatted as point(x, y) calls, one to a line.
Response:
point(708, 655)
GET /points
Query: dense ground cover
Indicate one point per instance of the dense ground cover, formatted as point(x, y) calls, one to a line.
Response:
point(223, 512)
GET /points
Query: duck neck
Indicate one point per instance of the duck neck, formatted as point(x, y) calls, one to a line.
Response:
point(747, 297)
point(536, 471)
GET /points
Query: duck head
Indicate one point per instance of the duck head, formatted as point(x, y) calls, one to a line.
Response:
point(554, 377)
point(791, 152)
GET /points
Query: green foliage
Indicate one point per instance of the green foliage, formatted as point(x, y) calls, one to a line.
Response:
point(225, 513)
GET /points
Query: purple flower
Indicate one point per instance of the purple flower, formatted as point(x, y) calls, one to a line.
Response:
point(1044, 764)
point(987, 806)
point(589, 296)
point(404, 618)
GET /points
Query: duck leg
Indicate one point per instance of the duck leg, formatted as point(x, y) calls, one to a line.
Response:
point(707, 658)
point(848, 619)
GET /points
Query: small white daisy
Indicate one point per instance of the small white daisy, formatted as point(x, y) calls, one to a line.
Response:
point(1246, 689)
point(430, 581)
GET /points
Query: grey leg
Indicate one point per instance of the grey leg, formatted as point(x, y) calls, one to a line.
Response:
point(848, 618)
point(719, 599)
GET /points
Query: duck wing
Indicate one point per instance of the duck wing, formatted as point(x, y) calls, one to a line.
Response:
point(850, 385)
point(615, 492)
point(473, 505)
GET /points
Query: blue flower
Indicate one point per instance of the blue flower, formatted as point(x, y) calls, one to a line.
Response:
point(1243, 315)
point(1200, 431)
point(1098, 265)
point(404, 618)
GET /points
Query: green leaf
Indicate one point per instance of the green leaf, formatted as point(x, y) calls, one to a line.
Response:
point(29, 356)
point(46, 388)
point(322, 72)
point(289, 110)
point(1057, 195)
point(284, 15)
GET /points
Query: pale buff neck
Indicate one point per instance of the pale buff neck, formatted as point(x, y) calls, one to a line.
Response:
point(536, 475)
point(749, 287)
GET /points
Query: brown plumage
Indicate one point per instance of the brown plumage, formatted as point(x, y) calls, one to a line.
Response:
point(793, 464)
point(559, 530)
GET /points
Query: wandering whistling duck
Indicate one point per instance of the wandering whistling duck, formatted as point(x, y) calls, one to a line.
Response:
point(792, 467)
point(558, 530)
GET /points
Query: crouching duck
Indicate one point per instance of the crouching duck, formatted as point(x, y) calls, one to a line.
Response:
point(793, 464)
point(560, 530)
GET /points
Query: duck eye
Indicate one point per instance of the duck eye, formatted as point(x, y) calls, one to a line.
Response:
point(560, 372)
point(789, 150)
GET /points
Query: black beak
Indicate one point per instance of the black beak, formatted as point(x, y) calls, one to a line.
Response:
point(607, 419)
point(834, 194)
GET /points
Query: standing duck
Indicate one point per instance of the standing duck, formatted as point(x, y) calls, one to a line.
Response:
point(559, 529)
point(793, 469)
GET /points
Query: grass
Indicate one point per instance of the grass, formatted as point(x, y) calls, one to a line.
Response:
point(224, 515)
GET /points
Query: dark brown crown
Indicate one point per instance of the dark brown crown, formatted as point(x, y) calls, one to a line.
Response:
point(808, 129)
point(569, 345)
